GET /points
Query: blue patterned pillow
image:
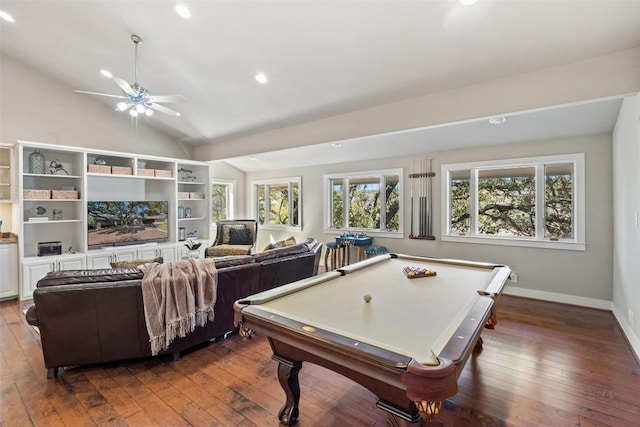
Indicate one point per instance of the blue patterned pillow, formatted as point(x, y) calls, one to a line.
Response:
point(240, 236)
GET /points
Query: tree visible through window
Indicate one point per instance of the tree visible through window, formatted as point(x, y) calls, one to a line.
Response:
point(535, 200)
point(278, 202)
point(372, 201)
point(221, 200)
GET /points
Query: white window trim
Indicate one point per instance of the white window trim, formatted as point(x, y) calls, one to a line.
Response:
point(578, 243)
point(286, 180)
point(363, 174)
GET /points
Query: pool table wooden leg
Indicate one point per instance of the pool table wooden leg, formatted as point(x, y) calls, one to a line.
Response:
point(288, 377)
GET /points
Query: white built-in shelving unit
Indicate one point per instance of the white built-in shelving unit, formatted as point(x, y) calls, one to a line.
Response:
point(124, 177)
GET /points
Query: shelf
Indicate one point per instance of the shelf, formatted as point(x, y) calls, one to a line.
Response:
point(190, 219)
point(51, 200)
point(52, 221)
point(113, 175)
point(191, 182)
point(44, 175)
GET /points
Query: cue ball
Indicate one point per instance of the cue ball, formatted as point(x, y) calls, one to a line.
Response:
point(367, 297)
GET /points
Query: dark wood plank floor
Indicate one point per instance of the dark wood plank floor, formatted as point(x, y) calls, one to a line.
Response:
point(545, 364)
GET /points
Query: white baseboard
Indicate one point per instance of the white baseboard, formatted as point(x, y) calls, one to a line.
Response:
point(632, 338)
point(561, 298)
point(628, 332)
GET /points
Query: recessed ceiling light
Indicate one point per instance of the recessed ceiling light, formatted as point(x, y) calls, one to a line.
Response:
point(4, 15)
point(336, 144)
point(183, 11)
point(261, 78)
point(498, 120)
point(253, 158)
point(467, 2)
point(106, 73)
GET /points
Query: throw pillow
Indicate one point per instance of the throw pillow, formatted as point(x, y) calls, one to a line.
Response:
point(135, 263)
point(240, 236)
point(281, 244)
point(226, 232)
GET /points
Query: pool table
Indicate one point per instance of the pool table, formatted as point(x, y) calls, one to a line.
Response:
point(405, 338)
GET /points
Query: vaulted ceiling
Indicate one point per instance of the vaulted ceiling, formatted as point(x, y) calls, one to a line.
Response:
point(321, 58)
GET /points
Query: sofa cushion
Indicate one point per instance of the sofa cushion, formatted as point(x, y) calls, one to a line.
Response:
point(136, 262)
point(300, 248)
point(72, 277)
point(240, 236)
point(232, 261)
point(228, 250)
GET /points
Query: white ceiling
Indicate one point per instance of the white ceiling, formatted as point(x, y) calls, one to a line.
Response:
point(322, 57)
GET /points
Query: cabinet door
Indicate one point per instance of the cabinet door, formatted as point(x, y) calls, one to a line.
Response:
point(9, 287)
point(148, 253)
point(124, 255)
point(168, 253)
point(32, 272)
point(102, 259)
point(76, 263)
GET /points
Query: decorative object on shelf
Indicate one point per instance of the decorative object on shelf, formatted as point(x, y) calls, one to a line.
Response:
point(38, 210)
point(100, 161)
point(185, 175)
point(180, 212)
point(36, 162)
point(136, 99)
point(49, 248)
point(192, 245)
point(142, 164)
point(55, 167)
point(181, 234)
point(0, 226)
point(192, 234)
point(71, 250)
point(57, 214)
point(187, 212)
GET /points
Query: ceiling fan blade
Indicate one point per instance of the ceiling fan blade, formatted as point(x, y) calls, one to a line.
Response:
point(168, 98)
point(101, 94)
point(164, 110)
point(126, 87)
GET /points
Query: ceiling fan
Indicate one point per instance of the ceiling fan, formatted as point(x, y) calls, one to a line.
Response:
point(136, 99)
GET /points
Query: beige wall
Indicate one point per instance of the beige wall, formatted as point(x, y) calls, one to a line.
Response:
point(626, 208)
point(586, 275)
point(34, 107)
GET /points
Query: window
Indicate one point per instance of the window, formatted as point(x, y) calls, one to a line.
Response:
point(525, 202)
point(278, 202)
point(222, 200)
point(365, 201)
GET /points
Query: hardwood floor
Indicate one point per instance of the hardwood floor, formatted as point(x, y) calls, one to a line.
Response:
point(545, 364)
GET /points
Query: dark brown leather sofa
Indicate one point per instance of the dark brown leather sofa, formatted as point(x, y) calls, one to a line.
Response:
point(96, 316)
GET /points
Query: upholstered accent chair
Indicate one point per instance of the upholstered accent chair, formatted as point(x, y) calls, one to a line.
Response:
point(234, 237)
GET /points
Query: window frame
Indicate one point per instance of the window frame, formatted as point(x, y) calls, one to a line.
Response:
point(346, 176)
point(577, 243)
point(289, 181)
point(230, 195)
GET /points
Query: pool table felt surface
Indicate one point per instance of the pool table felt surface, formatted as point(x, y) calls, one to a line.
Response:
point(412, 317)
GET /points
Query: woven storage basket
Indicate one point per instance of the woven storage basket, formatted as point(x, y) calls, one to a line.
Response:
point(37, 194)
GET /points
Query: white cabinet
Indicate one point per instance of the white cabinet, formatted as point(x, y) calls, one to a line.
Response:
point(34, 269)
point(167, 252)
point(9, 268)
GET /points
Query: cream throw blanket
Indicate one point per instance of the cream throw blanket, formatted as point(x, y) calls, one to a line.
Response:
point(177, 297)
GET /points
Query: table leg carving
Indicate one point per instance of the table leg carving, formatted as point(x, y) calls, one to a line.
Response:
point(288, 377)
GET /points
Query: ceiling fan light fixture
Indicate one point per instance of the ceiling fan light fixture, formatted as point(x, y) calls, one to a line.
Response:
point(149, 112)
point(133, 112)
point(122, 106)
point(140, 108)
